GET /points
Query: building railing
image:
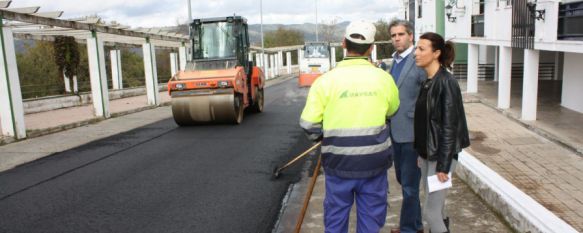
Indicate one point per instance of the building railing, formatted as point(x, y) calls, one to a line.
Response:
point(522, 25)
point(570, 21)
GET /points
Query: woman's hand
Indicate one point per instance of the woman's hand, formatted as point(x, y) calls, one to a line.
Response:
point(442, 177)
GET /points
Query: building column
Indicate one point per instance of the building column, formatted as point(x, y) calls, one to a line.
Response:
point(98, 77)
point(373, 55)
point(272, 66)
point(332, 57)
point(11, 106)
point(299, 56)
point(496, 63)
point(258, 60)
point(151, 73)
point(530, 85)
point(472, 68)
point(343, 53)
point(182, 57)
point(504, 76)
point(288, 62)
point(116, 76)
point(173, 64)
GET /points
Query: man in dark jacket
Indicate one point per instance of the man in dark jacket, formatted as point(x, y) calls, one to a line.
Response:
point(408, 78)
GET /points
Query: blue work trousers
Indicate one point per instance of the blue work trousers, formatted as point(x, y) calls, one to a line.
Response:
point(370, 195)
point(409, 176)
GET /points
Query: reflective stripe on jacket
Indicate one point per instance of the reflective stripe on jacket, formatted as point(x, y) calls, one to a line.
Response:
point(348, 107)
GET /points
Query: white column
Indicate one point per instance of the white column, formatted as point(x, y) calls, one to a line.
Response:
point(472, 68)
point(504, 76)
point(265, 61)
point(496, 63)
point(299, 56)
point(75, 86)
point(67, 81)
point(272, 65)
point(288, 61)
point(182, 57)
point(151, 73)
point(344, 52)
point(173, 64)
point(116, 76)
point(333, 57)
point(530, 85)
point(374, 53)
point(11, 107)
point(99, 91)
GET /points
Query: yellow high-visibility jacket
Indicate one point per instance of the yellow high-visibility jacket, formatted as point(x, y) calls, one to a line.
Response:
point(348, 108)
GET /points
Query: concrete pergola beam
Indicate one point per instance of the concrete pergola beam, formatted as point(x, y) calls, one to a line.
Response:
point(49, 14)
point(5, 4)
point(26, 18)
point(25, 10)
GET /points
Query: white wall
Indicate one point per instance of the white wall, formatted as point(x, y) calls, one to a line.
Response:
point(427, 21)
point(573, 82)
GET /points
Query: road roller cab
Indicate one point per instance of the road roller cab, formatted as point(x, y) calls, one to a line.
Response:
point(220, 81)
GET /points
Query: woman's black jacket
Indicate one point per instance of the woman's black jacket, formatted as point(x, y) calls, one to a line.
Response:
point(447, 128)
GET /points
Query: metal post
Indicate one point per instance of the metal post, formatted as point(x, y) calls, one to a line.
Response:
point(261, 18)
point(317, 21)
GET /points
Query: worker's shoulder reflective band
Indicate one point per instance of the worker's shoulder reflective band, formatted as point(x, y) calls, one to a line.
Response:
point(357, 150)
point(355, 132)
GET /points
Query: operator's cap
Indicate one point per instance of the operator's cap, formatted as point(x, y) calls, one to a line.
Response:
point(365, 29)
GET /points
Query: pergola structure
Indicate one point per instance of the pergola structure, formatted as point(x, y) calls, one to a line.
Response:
point(28, 23)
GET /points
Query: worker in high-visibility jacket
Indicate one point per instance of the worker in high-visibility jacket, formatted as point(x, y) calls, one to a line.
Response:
point(347, 108)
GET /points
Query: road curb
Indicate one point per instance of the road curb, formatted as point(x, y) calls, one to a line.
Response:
point(523, 213)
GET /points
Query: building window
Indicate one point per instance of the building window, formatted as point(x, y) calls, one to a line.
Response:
point(419, 7)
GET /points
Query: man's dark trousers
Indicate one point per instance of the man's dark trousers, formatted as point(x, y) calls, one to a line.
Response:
point(408, 175)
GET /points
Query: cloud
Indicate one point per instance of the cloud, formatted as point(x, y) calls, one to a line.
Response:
point(151, 13)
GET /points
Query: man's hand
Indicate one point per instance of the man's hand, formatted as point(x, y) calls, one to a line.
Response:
point(442, 177)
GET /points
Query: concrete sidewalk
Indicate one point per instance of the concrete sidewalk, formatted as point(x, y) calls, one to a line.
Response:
point(544, 172)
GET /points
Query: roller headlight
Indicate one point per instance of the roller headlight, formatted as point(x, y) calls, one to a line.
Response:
point(180, 86)
point(223, 83)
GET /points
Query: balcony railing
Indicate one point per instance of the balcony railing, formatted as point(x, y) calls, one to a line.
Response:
point(522, 25)
point(570, 21)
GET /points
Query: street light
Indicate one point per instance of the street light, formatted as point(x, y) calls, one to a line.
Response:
point(317, 21)
point(261, 21)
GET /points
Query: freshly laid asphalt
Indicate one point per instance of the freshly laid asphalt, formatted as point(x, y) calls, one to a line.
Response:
point(164, 178)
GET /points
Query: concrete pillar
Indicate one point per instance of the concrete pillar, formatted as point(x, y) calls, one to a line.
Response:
point(496, 63)
point(11, 107)
point(265, 61)
point(472, 68)
point(374, 53)
point(504, 74)
point(288, 62)
point(173, 64)
point(530, 85)
point(279, 62)
point(258, 60)
point(75, 86)
point(272, 66)
point(99, 91)
point(151, 73)
point(344, 52)
point(116, 75)
point(182, 57)
point(67, 81)
point(299, 56)
point(332, 57)
point(572, 90)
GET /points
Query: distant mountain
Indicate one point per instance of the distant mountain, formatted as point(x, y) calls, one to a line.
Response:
point(308, 29)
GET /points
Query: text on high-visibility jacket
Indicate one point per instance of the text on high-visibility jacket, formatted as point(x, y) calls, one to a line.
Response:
point(347, 108)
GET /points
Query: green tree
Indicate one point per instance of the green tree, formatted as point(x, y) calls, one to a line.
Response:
point(383, 50)
point(283, 37)
point(39, 75)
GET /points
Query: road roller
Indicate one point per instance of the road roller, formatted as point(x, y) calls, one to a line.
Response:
point(220, 83)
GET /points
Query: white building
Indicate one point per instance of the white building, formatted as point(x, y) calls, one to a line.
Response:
point(540, 39)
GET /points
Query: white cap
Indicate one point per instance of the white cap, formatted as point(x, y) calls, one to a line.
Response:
point(365, 29)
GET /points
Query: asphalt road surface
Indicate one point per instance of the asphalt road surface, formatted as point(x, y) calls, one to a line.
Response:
point(164, 178)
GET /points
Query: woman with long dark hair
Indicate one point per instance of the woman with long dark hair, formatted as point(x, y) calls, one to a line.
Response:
point(440, 123)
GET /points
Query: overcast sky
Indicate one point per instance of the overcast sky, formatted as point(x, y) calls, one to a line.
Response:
point(150, 13)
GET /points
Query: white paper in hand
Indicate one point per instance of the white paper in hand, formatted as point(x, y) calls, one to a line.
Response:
point(433, 183)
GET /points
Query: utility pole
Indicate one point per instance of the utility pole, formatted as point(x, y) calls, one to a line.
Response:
point(261, 16)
